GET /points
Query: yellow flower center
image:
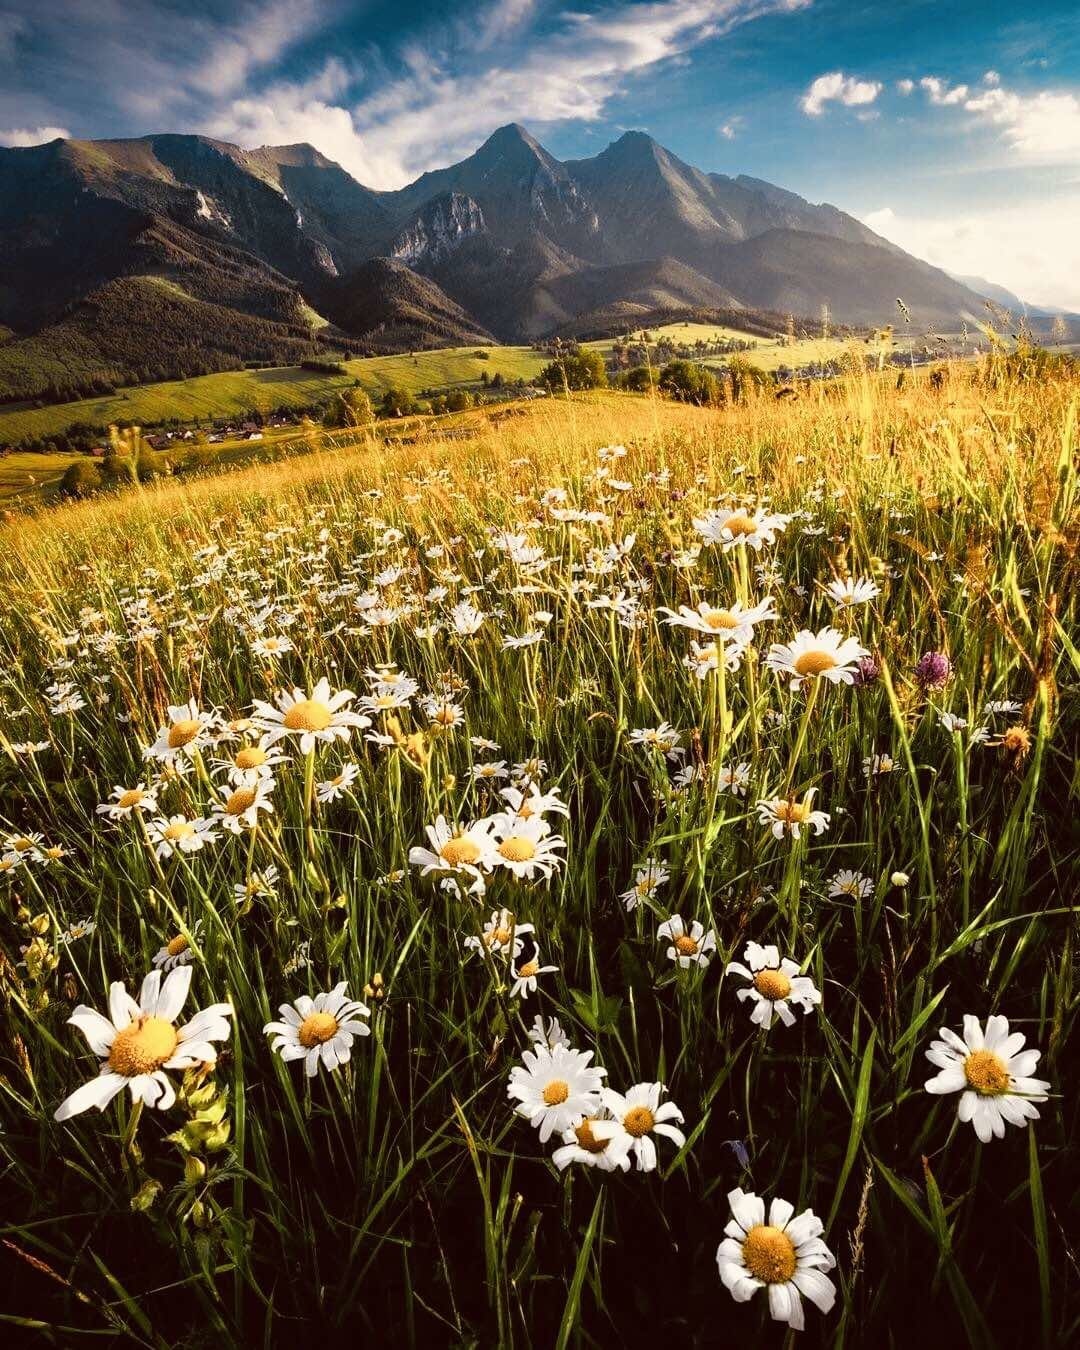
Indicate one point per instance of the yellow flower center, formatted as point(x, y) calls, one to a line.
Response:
point(792, 812)
point(251, 757)
point(556, 1092)
point(240, 800)
point(740, 525)
point(180, 829)
point(54, 852)
point(815, 662)
point(177, 945)
point(22, 845)
point(131, 798)
point(769, 1254)
point(308, 715)
point(446, 717)
point(528, 970)
point(460, 851)
point(986, 1073)
point(316, 1029)
point(638, 1121)
point(183, 732)
point(586, 1139)
point(685, 945)
point(717, 619)
point(772, 984)
point(498, 937)
point(143, 1046)
point(517, 849)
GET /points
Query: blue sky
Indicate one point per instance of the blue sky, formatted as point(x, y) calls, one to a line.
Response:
point(952, 129)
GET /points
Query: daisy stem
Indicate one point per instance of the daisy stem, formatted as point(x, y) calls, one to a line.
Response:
point(309, 797)
point(800, 739)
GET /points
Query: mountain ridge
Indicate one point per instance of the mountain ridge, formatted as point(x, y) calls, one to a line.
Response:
point(508, 243)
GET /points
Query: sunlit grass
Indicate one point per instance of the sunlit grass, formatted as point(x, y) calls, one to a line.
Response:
point(400, 1197)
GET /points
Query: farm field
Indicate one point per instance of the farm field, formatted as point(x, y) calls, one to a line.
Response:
point(607, 879)
point(233, 392)
point(766, 353)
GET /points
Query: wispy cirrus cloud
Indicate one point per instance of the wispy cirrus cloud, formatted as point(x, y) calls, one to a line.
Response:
point(836, 87)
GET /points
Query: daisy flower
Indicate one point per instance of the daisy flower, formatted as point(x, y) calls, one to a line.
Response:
point(774, 985)
point(271, 647)
point(80, 928)
point(785, 815)
point(321, 715)
point(734, 778)
point(853, 885)
point(337, 786)
point(555, 1088)
point(137, 1042)
point(647, 881)
point(239, 807)
point(785, 1255)
point(492, 769)
point(732, 528)
point(123, 801)
point(526, 847)
point(599, 1142)
point(851, 592)
point(178, 834)
point(549, 1033)
point(319, 1030)
point(262, 883)
point(177, 951)
point(826, 655)
point(875, 765)
point(500, 932)
point(687, 948)
point(706, 657)
point(526, 976)
point(186, 732)
point(250, 763)
point(664, 738)
point(641, 1115)
point(533, 802)
point(991, 1071)
point(722, 625)
point(465, 848)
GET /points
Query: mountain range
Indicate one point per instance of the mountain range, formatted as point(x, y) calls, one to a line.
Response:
point(176, 254)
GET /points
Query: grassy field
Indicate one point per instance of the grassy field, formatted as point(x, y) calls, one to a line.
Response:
point(237, 392)
point(599, 670)
point(234, 392)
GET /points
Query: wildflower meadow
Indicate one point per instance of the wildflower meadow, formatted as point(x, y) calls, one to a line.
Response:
point(607, 880)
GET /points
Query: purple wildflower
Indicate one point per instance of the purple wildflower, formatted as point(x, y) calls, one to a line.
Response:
point(933, 670)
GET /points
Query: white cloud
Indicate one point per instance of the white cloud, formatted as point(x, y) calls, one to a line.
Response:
point(1031, 247)
point(1040, 128)
point(837, 87)
point(905, 86)
point(939, 92)
point(500, 20)
point(22, 136)
point(731, 128)
point(427, 115)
